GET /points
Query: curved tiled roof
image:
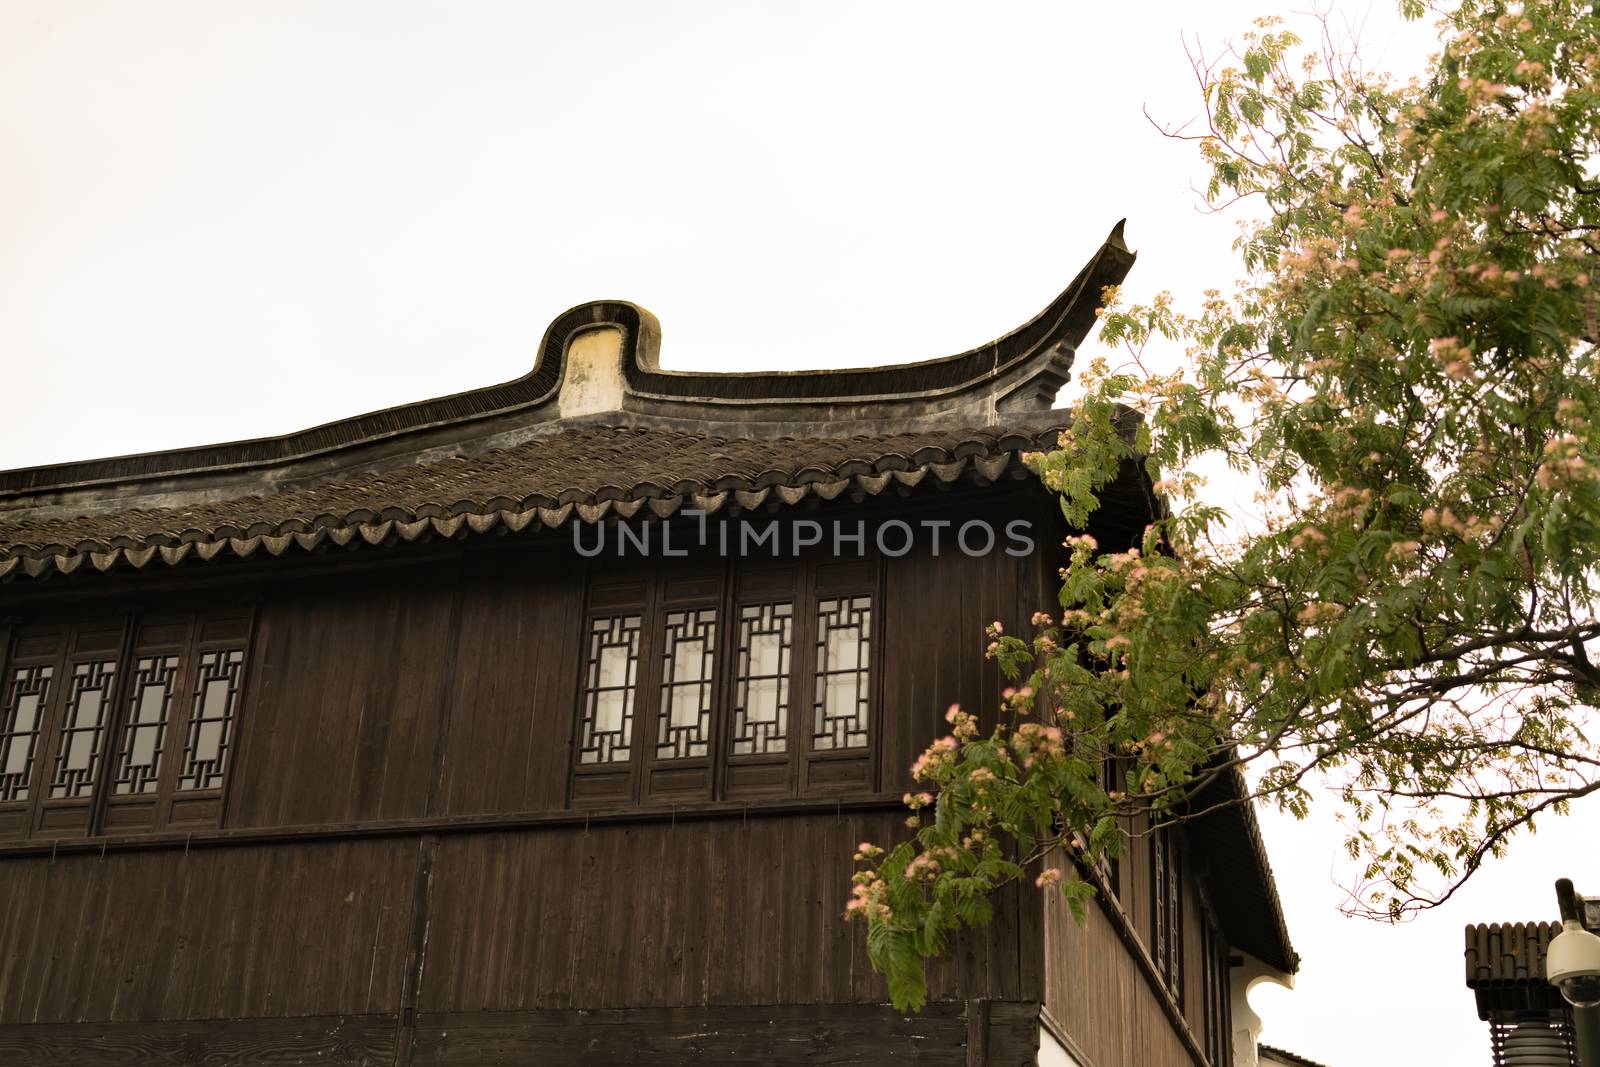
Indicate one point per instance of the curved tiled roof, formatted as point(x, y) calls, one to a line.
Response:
point(584, 473)
point(1020, 371)
point(596, 428)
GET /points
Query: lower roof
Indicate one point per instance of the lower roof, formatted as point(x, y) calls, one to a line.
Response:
point(583, 473)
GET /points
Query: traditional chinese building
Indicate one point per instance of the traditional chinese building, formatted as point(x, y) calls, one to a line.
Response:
point(538, 724)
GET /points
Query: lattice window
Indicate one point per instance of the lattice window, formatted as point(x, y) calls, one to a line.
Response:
point(1174, 897)
point(149, 703)
point(611, 674)
point(1168, 906)
point(83, 728)
point(843, 691)
point(209, 736)
point(1219, 1040)
point(1111, 866)
point(1158, 900)
point(761, 701)
point(19, 729)
point(686, 687)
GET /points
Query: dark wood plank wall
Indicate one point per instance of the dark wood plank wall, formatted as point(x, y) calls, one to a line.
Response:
point(1194, 961)
point(1095, 990)
point(511, 701)
point(342, 717)
point(327, 1041)
point(702, 912)
point(942, 1035)
point(315, 929)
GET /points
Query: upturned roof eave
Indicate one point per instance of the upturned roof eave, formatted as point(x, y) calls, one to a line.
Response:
point(1026, 363)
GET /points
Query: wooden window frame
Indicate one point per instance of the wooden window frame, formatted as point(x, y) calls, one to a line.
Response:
point(1112, 770)
point(68, 647)
point(1216, 992)
point(1166, 901)
point(800, 769)
point(190, 637)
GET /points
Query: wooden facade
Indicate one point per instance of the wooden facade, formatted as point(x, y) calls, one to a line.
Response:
point(383, 804)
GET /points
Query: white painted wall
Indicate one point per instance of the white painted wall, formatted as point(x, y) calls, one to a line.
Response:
point(1051, 1054)
point(1246, 1023)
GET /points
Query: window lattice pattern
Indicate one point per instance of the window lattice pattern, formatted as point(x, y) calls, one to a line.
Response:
point(844, 639)
point(19, 729)
point(149, 704)
point(1110, 865)
point(611, 674)
point(1174, 925)
point(686, 689)
point(761, 703)
point(83, 729)
point(209, 737)
point(1219, 1039)
point(1168, 927)
point(1158, 861)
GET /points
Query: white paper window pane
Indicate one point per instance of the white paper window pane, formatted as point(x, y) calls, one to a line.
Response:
point(152, 701)
point(79, 752)
point(762, 700)
point(144, 747)
point(684, 728)
point(209, 744)
point(19, 749)
point(843, 647)
point(612, 673)
point(761, 708)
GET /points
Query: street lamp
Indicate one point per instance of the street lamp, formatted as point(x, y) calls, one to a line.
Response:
point(1572, 965)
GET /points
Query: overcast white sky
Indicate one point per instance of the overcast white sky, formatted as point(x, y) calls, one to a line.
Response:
point(228, 220)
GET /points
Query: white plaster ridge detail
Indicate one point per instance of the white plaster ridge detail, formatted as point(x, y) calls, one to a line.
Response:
point(591, 377)
point(1246, 1023)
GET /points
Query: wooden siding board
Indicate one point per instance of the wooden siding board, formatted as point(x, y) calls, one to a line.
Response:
point(1194, 963)
point(254, 932)
point(630, 917)
point(1098, 994)
point(361, 1041)
point(31, 914)
point(352, 704)
point(778, 1035)
point(512, 695)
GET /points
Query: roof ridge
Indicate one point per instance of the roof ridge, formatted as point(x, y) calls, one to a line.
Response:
point(600, 360)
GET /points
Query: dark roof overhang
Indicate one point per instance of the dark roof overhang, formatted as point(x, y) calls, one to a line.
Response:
point(1238, 876)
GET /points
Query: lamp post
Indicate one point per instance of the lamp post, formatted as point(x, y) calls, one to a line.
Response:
point(1572, 965)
